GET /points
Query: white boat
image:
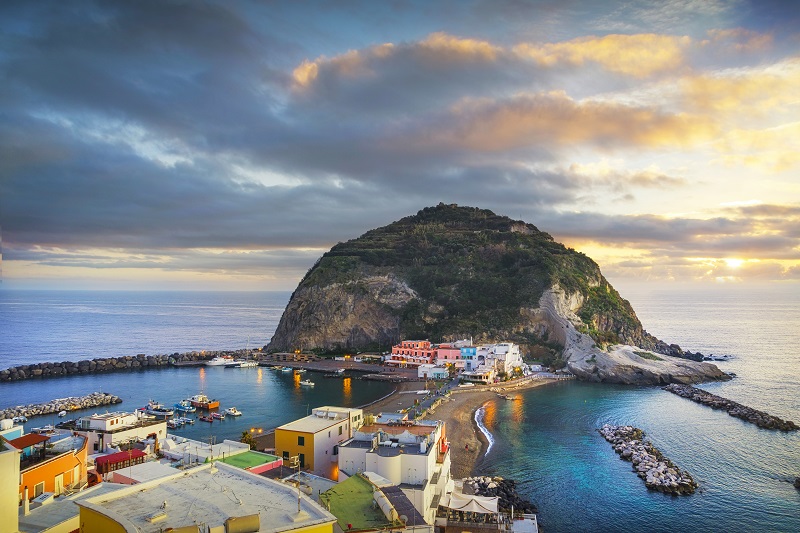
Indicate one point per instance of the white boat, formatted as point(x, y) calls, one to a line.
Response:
point(233, 411)
point(21, 419)
point(300, 371)
point(62, 414)
point(248, 364)
point(219, 361)
point(287, 369)
point(185, 420)
point(156, 409)
point(241, 363)
point(307, 383)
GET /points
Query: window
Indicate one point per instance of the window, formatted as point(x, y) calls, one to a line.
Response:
point(340, 430)
point(302, 460)
point(301, 441)
point(285, 456)
point(329, 434)
point(38, 489)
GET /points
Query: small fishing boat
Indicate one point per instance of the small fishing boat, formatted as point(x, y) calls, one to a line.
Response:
point(174, 423)
point(300, 371)
point(185, 420)
point(185, 406)
point(206, 419)
point(62, 414)
point(21, 419)
point(201, 401)
point(156, 409)
point(307, 383)
point(338, 373)
point(248, 364)
point(233, 411)
point(218, 416)
point(287, 369)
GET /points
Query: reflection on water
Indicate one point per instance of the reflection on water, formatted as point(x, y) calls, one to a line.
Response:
point(347, 388)
point(260, 375)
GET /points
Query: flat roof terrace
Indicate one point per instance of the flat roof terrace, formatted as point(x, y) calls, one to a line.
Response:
point(209, 495)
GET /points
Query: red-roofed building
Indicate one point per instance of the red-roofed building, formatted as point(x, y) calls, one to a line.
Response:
point(26, 443)
point(51, 468)
point(115, 461)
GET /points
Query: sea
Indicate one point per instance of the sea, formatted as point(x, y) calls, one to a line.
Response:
point(546, 440)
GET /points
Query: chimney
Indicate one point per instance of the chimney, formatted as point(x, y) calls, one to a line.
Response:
point(26, 505)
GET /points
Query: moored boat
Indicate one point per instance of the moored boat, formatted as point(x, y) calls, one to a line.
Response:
point(248, 364)
point(156, 409)
point(201, 401)
point(206, 419)
point(307, 383)
point(233, 411)
point(287, 369)
point(218, 416)
point(219, 361)
point(62, 414)
point(185, 406)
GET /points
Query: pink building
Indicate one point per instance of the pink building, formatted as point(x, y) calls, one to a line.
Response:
point(412, 354)
point(449, 354)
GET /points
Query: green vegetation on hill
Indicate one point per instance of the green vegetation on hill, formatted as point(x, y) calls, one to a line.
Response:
point(472, 270)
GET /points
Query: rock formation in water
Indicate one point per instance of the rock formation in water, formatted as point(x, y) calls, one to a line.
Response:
point(453, 272)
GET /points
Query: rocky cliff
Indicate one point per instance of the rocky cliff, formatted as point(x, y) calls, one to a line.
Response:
point(452, 272)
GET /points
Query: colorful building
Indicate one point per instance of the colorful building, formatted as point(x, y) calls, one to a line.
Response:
point(113, 429)
point(412, 354)
point(315, 438)
point(9, 471)
point(54, 468)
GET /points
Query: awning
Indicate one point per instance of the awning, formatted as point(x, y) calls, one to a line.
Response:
point(28, 440)
point(471, 504)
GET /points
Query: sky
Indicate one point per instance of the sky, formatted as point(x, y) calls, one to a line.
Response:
point(227, 145)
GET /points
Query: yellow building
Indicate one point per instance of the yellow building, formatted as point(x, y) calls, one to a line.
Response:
point(315, 438)
point(212, 497)
point(9, 488)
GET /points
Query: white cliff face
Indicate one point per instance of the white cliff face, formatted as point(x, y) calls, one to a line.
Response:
point(619, 363)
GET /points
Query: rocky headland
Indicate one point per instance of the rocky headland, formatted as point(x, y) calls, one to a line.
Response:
point(658, 472)
point(73, 403)
point(451, 272)
point(748, 414)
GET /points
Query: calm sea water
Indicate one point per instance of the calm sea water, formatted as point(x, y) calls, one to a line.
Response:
point(547, 441)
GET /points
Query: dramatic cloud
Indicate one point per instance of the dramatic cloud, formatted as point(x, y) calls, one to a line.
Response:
point(197, 141)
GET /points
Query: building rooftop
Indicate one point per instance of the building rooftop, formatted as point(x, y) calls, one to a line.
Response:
point(352, 502)
point(313, 424)
point(30, 439)
point(61, 510)
point(248, 459)
point(209, 495)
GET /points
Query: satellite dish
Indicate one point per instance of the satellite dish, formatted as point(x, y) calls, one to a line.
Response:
point(404, 519)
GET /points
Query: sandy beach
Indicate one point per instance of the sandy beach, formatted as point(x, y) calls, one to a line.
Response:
point(458, 412)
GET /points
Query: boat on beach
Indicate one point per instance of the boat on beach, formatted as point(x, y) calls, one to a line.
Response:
point(201, 401)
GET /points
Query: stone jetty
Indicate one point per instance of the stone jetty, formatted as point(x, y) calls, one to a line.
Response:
point(107, 364)
point(658, 472)
point(95, 399)
point(759, 418)
point(504, 489)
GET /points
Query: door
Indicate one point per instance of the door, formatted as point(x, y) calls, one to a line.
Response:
point(76, 475)
point(59, 481)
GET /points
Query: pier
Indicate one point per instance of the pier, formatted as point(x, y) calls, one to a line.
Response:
point(748, 414)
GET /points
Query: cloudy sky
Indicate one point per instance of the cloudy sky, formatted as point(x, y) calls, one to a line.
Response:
point(226, 145)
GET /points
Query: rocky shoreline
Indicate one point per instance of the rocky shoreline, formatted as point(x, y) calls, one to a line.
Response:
point(73, 403)
point(748, 414)
point(504, 489)
point(103, 365)
point(658, 472)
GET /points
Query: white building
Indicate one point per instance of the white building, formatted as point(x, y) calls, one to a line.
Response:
point(414, 455)
point(109, 430)
point(314, 439)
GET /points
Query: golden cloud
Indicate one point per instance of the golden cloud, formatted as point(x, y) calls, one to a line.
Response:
point(773, 150)
point(739, 40)
point(448, 47)
point(639, 55)
point(548, 119)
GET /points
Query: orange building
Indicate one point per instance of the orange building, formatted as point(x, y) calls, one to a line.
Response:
point(412, 354)
point(53, 468)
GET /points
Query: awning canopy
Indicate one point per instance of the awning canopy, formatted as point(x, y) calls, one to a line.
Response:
point(471, 504)
point(28, 440)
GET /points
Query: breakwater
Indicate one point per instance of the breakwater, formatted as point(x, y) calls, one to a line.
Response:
point(95, 399)
point(104, 365)
point(754, 416)
point(658, 472)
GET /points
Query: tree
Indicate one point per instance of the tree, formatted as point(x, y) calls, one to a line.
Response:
point(247, 438)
